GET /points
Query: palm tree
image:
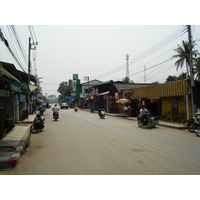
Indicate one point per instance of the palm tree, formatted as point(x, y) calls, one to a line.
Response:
point(183, 53)
point(197, 68)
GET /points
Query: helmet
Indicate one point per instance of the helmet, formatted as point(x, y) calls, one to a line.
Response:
point(55, 105)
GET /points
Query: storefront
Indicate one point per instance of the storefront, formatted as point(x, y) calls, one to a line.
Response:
point(170, 100)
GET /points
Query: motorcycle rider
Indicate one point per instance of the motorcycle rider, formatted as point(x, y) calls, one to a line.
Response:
point(143, 113)
point(101, 108)
point(55, 109)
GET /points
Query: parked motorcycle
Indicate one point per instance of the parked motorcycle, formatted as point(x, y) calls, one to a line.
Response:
point(102, 113)
point(41, 110)
point(56, 116)
point(37, 124)
point(149, 121)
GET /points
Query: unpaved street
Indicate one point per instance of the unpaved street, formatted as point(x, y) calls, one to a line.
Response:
point(82, 144)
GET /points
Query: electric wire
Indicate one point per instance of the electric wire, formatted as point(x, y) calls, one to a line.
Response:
point(149, 67)
point(34, 53)
point(29, 27)
point(161, 44)
point(12, 41)
point(34, 33)
point(10, 50)
point(19, 43)
point(158, 70)
point(12, 37)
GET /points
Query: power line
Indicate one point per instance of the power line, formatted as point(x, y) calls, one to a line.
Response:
point(149, 68)
point(161, 44)
point(155, 74)
point(155, 48)
point(19, 43)
point(10, 50)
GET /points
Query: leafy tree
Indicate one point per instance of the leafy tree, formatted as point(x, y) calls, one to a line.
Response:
point(182, 76)
point(183, 54)
point(171, 78)
point(197, 68)
point(155, 82)
point(65, 90)
point(127, 80)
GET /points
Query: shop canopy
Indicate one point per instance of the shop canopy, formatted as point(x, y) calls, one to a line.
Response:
point(18, 86)
point(104, 93)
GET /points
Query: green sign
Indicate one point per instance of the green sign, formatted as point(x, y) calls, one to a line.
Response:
point(75, 76)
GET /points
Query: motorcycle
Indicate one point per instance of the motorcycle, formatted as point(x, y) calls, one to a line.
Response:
point(197, 132)
point(193, 124)
point(41, 110)
point(56, 116)
point(37, 124)
point(102, 113)
point(76, 109)
point(149, 121)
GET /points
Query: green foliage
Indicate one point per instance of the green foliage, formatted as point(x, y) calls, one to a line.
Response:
point(183, 54)
point(155, 82)
point(171, 78)
point(197, 68)
point(176, 78)
point(127, 80)
point(182, 76)
point(64, 89)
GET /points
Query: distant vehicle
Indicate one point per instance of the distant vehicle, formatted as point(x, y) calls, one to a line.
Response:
point(64, 105)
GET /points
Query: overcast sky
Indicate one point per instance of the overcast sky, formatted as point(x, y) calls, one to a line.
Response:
point(99, 51)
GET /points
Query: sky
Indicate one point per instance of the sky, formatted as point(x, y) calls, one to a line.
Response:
point(95, 42)
point(99, 51)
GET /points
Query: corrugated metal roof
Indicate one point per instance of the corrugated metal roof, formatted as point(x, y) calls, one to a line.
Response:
point(4, 72)
point(127, 86)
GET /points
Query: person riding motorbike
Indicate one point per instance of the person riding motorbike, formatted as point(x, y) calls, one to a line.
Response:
point(143, 113)
point(55, 109)
point(101, 108)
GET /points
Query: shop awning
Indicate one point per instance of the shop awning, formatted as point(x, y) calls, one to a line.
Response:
point(39, 100)
point(6, 73)
point(32, 87)
point(16, 86)
point(104, 93)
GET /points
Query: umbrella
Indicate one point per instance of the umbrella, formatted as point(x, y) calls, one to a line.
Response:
point(123, 100)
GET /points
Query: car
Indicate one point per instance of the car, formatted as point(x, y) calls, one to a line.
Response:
point(64, 105)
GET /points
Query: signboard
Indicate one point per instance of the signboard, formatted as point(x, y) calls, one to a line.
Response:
point(40, 95)
point(128, 94)
point(75, 76)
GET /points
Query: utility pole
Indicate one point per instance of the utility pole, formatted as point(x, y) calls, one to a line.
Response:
point(29, 56)
point(127, 67)
point(29, 67)
point(191, 72)
point(29, 60)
